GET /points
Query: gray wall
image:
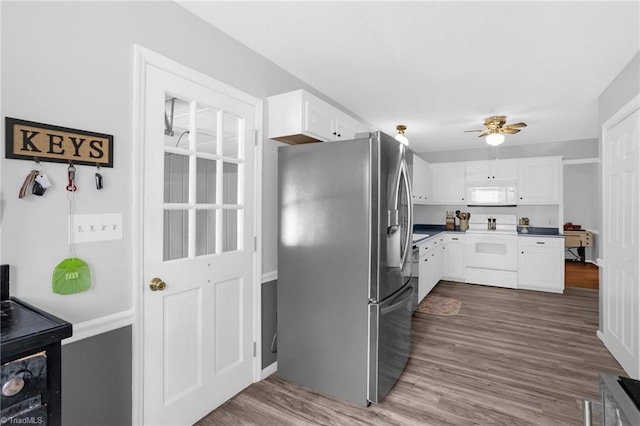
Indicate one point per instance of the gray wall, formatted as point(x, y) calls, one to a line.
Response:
point(622, 89)
point(74, 67)
point(71, 64)
point(269, 322)
point(96, 380)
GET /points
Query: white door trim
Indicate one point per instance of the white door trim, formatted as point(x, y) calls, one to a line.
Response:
point(611, 122)
point(144, 57)
point(631, 107)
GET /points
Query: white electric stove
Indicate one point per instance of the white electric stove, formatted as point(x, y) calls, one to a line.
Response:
point(491, 250)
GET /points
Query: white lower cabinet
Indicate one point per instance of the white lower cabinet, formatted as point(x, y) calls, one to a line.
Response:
point(541, 263)
point(430, 268)
point(453, 266)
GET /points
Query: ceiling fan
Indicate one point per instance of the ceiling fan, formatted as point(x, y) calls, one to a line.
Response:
point(497, 128)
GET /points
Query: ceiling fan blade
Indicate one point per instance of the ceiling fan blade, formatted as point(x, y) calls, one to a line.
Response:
point(484, 134)
point(469, 131)
point(516, 125)
point(509, 131)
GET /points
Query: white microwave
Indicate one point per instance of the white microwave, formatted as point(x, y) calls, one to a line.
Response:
point(498, 195)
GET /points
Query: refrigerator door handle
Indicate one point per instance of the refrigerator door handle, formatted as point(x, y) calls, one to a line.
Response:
point(404, 172)
point(399, 301)
point(393, 222)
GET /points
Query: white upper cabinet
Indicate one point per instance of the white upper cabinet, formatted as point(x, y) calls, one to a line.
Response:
point(318, 118)
point(421, 181)
point(537, 180)
point(448, 183)
point(299, 117)
point(540, 181)
point(492, 171)
point(345, 127)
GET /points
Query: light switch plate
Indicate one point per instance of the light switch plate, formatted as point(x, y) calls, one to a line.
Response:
point(88, 228)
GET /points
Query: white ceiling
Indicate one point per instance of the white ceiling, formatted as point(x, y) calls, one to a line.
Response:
point(442, 67)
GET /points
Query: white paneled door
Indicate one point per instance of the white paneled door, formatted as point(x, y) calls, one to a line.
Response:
point(620, 256)
point(198, 264)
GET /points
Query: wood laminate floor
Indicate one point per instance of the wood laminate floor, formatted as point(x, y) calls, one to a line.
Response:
point(509, 357)
point(578, 274)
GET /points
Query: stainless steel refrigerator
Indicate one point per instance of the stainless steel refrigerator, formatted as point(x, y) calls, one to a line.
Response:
point(345, 293)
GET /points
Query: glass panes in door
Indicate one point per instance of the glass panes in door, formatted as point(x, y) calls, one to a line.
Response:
point(203, 169)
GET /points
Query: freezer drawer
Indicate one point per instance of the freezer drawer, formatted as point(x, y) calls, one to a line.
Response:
point(390, 339)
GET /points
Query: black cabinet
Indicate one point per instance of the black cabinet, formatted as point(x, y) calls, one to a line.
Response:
point(31, 364)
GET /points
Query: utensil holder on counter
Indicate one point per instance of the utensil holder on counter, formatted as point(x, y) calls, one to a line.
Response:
point(464, 224)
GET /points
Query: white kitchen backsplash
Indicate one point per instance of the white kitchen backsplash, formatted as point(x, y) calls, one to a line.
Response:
point(546, 216)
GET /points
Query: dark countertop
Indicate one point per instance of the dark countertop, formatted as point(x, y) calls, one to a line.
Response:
point(534, 231)
point(432, 229)
point(25, 328)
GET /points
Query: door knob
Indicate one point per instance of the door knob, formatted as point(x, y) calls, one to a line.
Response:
point(157, 284)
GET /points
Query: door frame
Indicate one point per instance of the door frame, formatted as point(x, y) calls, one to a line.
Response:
point(144, 57)
point(629, 108)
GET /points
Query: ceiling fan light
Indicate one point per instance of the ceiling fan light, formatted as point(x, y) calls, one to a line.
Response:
point(495, 139)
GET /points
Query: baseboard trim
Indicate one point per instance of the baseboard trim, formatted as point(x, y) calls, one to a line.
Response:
point(269, 370)
point(86, 329)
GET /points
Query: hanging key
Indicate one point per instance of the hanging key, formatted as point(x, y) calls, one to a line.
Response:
point(40, 184)
point(28, 181)
point(98, 181)
point(99, 184)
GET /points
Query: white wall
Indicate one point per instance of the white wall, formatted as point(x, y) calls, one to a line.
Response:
point(71, 64)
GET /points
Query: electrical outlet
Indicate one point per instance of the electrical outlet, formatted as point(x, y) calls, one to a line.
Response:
point(88, 228)
point(549, 221)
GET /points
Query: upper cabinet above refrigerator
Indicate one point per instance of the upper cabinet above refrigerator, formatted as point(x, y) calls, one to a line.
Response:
point(299, 117)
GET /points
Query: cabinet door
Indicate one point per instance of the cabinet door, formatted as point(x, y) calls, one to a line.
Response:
point(346, 127)
point(453, 261)
point(504, 170)
point(478, 171)
point(423, 279)
point(421, 181)
point(448, 183)
point(541, 264)
point(430, 270)
point(539, 182)
point(492, 171)
point(319, 119)
point(438, 259)
point(433, 263)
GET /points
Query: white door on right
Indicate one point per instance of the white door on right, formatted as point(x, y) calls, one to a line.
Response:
point(620, 256)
